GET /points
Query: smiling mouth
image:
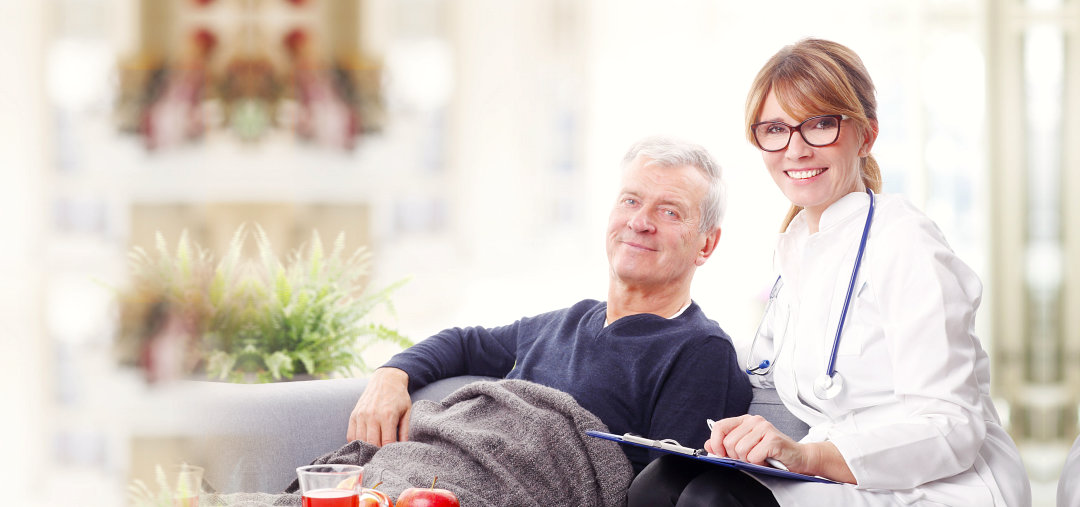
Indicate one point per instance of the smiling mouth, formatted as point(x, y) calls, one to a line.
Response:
point(638, 246)
point(804, 173)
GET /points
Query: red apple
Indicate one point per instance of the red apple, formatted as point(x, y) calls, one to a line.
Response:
point(427, 497)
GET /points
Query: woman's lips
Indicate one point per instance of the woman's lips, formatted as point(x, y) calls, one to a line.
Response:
point(804, 174)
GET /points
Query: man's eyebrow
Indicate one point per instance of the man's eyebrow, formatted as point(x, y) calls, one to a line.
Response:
point(664, 200)
point(674, 201)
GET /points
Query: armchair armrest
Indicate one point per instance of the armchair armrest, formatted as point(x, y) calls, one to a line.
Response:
point(767, 404)
point(253, 436)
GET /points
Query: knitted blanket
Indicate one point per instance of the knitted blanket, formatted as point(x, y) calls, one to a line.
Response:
point(507, 442)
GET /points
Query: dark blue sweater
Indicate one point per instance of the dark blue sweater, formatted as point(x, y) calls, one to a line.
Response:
point(643, 374)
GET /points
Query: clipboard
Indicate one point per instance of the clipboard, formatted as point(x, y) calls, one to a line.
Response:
point(672, 447)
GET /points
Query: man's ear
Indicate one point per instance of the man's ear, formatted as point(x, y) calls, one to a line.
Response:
point(707, 250)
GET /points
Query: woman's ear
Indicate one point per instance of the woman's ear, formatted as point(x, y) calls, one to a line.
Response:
point(868, 139)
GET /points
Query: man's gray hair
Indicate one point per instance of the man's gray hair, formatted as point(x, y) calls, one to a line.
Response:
point(668, 152)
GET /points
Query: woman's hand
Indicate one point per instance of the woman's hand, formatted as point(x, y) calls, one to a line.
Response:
point(752, 439)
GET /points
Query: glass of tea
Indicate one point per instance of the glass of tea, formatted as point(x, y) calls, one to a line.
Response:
point(330, 485)
point(186, 484)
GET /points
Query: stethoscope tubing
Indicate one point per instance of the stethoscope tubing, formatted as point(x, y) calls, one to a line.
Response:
point(766, 366)
point(851, 286)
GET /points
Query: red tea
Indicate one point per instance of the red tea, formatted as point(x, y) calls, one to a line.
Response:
point(330, 497)
point(186, 501)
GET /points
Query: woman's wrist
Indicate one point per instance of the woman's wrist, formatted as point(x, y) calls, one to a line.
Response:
point(826, 461)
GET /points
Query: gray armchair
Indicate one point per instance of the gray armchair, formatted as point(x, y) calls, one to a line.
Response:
point(254, 436)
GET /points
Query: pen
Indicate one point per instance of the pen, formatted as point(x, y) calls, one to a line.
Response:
point(775, 463)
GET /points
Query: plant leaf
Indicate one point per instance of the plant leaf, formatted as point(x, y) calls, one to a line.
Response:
point(279, 364)
point(308, 362)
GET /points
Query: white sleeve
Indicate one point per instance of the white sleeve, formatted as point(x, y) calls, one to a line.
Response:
point(927, 299)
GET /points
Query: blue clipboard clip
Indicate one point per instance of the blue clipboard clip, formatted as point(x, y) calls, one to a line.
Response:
point(673, 447)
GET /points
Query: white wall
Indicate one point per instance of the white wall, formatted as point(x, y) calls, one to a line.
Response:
point(23, 382)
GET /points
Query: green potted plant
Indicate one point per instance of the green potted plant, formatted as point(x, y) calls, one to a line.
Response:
point(259, 319)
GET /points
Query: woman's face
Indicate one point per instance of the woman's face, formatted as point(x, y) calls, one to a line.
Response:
point(810, 177)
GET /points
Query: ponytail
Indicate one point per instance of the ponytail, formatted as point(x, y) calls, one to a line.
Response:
point(871, 174)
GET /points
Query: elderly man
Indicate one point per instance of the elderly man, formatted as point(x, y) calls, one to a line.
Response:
point(648, 361)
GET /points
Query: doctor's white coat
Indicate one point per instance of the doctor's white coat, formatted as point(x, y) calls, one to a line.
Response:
point(914, 420)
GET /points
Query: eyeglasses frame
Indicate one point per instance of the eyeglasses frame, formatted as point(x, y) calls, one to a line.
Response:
point(792, 129)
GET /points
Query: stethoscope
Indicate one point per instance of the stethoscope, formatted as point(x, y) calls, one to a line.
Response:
point(829, 385)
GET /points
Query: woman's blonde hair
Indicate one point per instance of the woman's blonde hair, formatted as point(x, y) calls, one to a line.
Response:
point(812, 77)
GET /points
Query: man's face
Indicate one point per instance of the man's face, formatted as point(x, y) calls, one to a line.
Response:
point(653, 231)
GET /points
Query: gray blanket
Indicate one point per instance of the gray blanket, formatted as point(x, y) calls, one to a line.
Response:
point(508, 442)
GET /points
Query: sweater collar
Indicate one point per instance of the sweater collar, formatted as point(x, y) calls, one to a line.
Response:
point(677, 314)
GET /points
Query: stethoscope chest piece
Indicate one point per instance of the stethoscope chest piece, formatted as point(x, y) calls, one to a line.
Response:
point(826, 387)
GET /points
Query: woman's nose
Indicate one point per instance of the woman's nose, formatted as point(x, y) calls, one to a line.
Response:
point(797, 147)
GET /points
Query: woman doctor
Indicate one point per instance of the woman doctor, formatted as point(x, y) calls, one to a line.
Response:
point(868, 335)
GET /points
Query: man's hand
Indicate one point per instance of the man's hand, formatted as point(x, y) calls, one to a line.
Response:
point(752, 439)
point(381, 415)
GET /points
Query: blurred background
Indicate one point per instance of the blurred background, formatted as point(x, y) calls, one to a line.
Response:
point(473, 146)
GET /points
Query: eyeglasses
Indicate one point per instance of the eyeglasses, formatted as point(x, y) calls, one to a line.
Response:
point(776, 135)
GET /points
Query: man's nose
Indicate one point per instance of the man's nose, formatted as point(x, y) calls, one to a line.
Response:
point(640, 221)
